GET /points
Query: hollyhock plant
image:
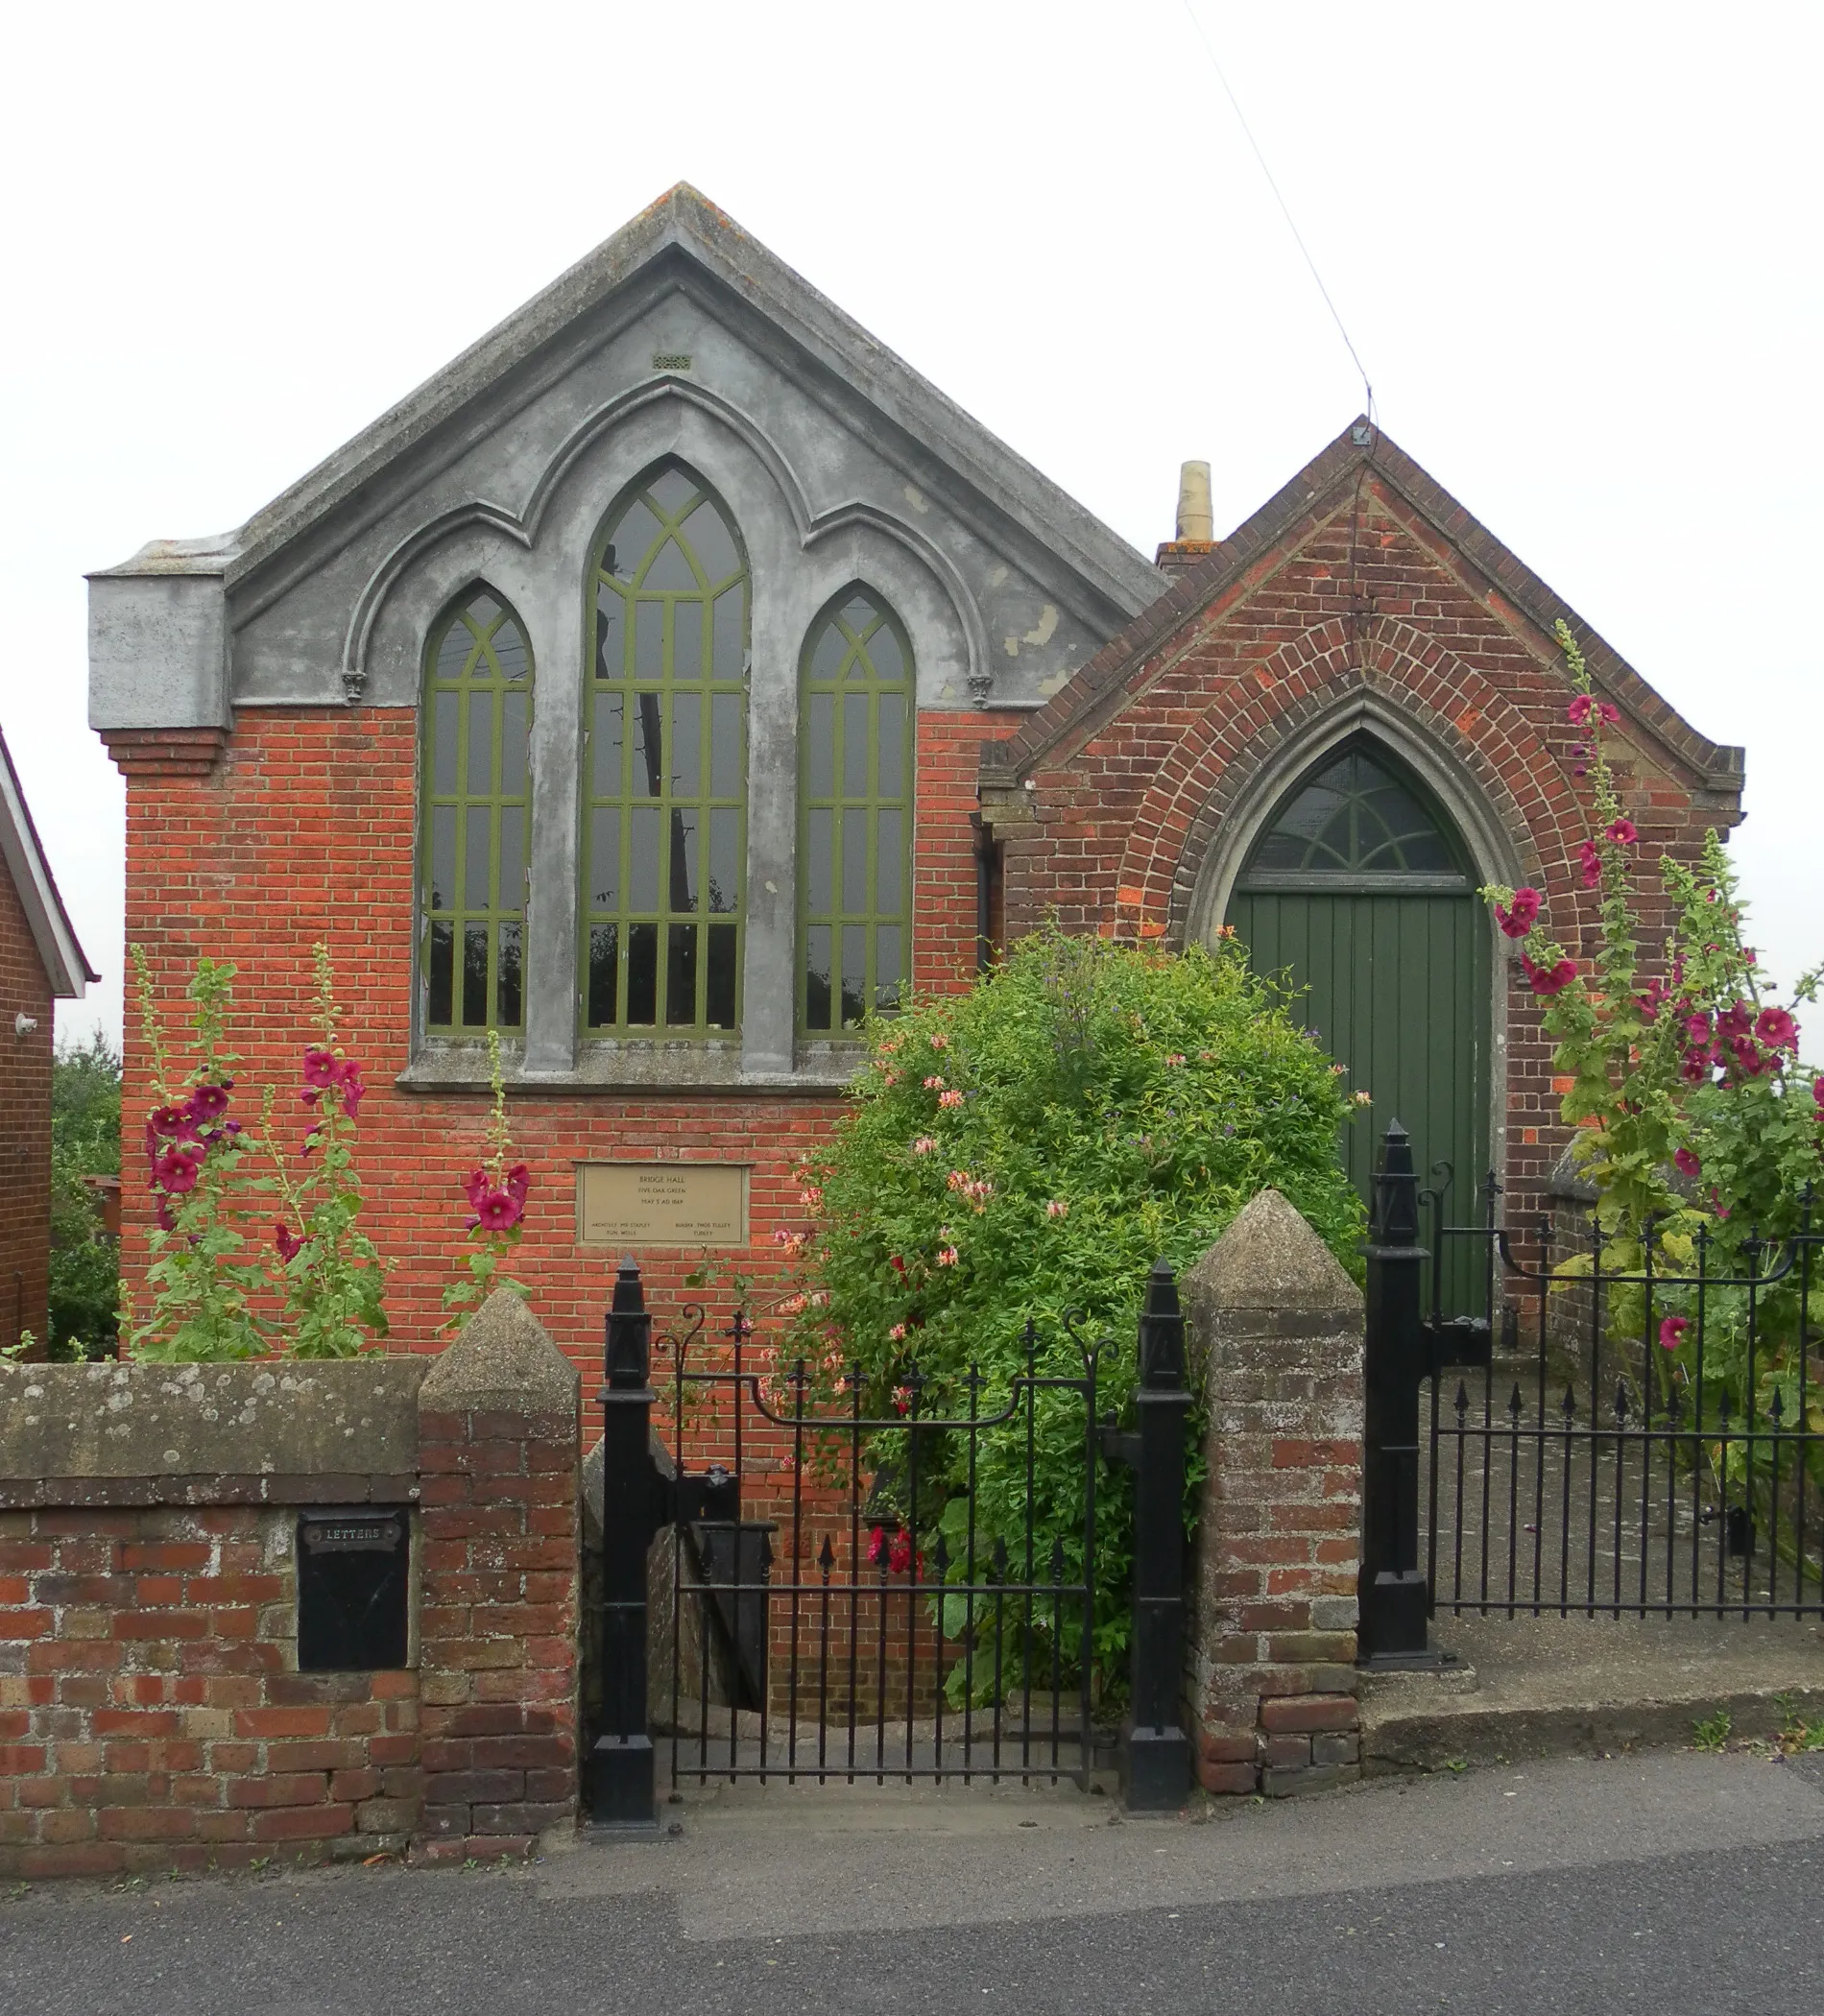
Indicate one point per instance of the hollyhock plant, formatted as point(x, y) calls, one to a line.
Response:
point(1519, 917)
point(496, 1189)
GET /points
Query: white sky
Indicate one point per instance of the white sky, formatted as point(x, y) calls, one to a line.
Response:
point(1577, 246)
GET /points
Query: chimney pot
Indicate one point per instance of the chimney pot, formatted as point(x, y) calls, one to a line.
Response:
point(1195, 517)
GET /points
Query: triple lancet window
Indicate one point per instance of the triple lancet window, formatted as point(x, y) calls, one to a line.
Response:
point(662, 798)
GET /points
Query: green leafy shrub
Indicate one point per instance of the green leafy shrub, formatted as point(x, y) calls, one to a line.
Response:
point(84, 1142)
point(1026, 1150)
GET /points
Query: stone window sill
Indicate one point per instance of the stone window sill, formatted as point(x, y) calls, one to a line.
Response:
point(609, 1067)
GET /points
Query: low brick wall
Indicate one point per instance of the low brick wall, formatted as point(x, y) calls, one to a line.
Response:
point(151, 1710)
point(1275, 1331)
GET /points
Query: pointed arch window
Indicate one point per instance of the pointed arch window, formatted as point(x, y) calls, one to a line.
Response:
point(1358, 821)
point(855, 852)
point(664, 840)
point(475, 808)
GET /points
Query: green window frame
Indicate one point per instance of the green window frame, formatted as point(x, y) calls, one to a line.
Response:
point(475, 801)
point(1357, 821)
point(664, 849)
point(858, 730)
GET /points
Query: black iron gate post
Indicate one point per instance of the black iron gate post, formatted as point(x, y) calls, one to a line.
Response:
point(1394, 1595)
point(635, 1505)
point(1158, 1751)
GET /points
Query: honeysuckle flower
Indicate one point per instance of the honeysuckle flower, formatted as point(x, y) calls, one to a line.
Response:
point(1360, 1099)
point(947, 1257)
point(1590, 859)
point(926, 1144)
point(1519, 918)
point(1057, 1208)
point(792, 1306)
point(319, 1069)
point(1671, 1331)
point(1687, 1163)
point(901, 1399)
point(811, 1196)
point(1776, 1028)
point(934, 1083)
point(940, 1043)
point(896, 1334)
point(953, 1097)
point(1547, 980)
point(1622, 832)
point(1176, 1057)
point(176, 1169)
point(289, 1244)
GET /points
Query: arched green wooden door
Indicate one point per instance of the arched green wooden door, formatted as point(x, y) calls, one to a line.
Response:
point(1361, 892)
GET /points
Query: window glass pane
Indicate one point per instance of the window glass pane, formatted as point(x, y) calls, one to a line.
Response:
point(455, 651)
point(611, 633)
point(888, 980)
point(686, 640)
point(890, 751)
point(481, 743)
point(826, 661)
point(719, 1005)
point(483, 608)
point(509, 892)
point(604, 971)
point(443, 963)
point(855, 745)
point(681, 975)
point(513, 745)
point(508, 987)
point(817, 976)
point(725, 745)
point(479, 832)
point(605, 858)
point(475, 977)
point(443, 715)
point(712, 543)
point(631, 541)
point(1355, 818)
point(855, 971)
point(643, 974)
point(682, 891)
point(510, 650)
point(686, 744)
point(670, 570)
point(889, 660)
point(820, 848)
point(642, 859)
point(649, 746)
point(649, 639)
point(725, 860)
point(888, 864)
point(730, 649)
point(854, 863)
point(672, 491)
point(444, 859)
point(820, 770)
point(605, 744)
point(858, 613)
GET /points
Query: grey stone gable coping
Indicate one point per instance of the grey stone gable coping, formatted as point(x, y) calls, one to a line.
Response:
point(686, 226)
point(503, 1361)
point(65, 965)
point(1093, 692)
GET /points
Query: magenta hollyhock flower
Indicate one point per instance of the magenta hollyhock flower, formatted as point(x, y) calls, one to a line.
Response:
point(1546, 980)
point(496, 1212)
point(1749, 1060)
point(520, 1183)
point(1622, 832)
point(1672, 1333)
point(1697, 1028)
point(1776, 1028)
point(877, 1545)
point(1734, 1021)
point(475, 1187)
point(209, 1102)
point(289, 1244)
point(899, 1559)
point(1518, 920)
point(1590, 859)
point(1695, 1067)
point(1817, 1092)
point(319, 1069)
point(1686, 1164)
point(1586, 708)
point(167, 1218)
point(175, 1170)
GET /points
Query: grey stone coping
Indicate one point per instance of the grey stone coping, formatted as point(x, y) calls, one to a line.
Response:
point(502, 1363)
point(659, 1066)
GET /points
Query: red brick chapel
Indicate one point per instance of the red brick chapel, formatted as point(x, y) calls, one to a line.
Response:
point(678, 676)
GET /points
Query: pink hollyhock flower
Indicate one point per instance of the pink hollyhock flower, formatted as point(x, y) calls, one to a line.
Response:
point(209, 1102)
point(475, 1187)
point(319, 1069)
point(1518, 920)
point(496, 1212)
point(1672, 1333)
point(953, 1097)
point(1590, 859)
point(1686, 1164)
point(1586, 708)
point(1776, 1028)
point(289, 1244)
point(348, 1084)
point(1622, 832)
point(1697, 1028)
point(518, 1184)
point(175, 1170)
point(1734, 1021)
point(1546, 980)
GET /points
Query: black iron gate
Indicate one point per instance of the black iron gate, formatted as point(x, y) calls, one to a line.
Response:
point(836, 1601)
point(1595, 1439)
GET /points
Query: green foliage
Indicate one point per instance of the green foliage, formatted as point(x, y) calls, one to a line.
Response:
point(1026, 1150)
point(333, 1282)
point(1711, 1732)
point(84, 1142)
point(202, 1288)
point(496, 1191)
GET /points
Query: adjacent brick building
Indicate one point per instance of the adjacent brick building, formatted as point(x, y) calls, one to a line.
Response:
point(678, 674)
point(41, 963)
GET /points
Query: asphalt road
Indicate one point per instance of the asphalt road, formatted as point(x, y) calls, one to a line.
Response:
point(1669, 1884)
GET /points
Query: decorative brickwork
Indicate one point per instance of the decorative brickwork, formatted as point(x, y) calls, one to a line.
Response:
point(1275, 1330)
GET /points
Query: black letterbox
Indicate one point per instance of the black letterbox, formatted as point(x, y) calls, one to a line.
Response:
point(353, 1575)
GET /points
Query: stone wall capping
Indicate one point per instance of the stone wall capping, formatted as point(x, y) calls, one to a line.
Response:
point(503, 1361)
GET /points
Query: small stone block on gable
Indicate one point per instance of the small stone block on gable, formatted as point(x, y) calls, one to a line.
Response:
point(502, 1363)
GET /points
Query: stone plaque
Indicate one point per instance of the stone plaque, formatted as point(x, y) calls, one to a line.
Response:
point(635, 1204)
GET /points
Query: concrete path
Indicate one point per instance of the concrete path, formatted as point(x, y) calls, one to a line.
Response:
point(1674, 1883)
